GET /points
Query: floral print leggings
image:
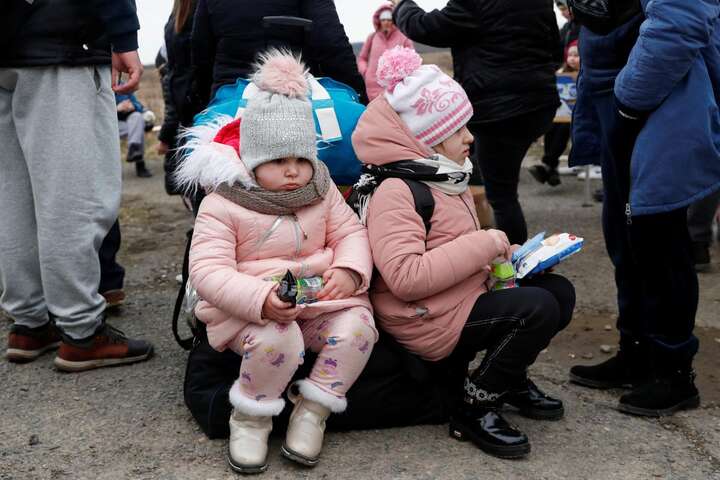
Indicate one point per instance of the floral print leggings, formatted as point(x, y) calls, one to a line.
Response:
point(271, 353)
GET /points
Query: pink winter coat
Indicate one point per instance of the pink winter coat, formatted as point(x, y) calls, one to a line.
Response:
point(234, 250)
point(428, 283)
point(375, 45)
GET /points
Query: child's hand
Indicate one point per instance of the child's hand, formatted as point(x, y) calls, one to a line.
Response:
point(339, 284)
point(501, 242)
point(277, 310)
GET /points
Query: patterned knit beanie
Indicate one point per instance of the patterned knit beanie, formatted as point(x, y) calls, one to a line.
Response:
point(278, 120)
point(432, 105)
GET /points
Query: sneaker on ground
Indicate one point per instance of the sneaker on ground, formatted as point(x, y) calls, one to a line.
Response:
point(595, 173)
point(25, 344)
point(107, 347)
point(569, 170)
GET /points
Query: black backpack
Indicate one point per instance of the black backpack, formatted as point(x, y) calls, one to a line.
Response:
point(422, 197)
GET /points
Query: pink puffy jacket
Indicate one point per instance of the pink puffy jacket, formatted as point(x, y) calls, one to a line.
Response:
point(428, 284)
point(234, 250)
point(375, 45)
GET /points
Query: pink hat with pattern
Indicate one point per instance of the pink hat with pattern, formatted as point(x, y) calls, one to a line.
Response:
point(432, 105)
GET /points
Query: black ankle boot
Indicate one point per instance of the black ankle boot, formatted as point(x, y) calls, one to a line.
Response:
point(663, 395)
point(141, 170)
point(532, 402)
point(480, 422)
point(539, 173)
point(553, 177)
point(620, 371)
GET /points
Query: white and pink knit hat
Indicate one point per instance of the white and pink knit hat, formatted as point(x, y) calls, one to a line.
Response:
point(432, 105)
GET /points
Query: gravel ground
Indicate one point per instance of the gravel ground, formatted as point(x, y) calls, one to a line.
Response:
point(131, 423)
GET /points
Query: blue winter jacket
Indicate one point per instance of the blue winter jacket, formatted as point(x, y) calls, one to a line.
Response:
point(666, 65)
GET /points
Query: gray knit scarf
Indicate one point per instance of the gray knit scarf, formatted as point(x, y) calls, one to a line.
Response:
point(280, 203)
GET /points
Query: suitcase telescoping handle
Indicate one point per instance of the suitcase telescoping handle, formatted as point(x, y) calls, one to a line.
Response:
point(287, 21)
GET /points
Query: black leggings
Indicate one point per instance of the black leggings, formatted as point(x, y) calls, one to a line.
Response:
point(513, 325)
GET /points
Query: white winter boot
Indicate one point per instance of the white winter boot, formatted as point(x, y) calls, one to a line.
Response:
point(250, 426)
point(306, 428)
point(248, 446)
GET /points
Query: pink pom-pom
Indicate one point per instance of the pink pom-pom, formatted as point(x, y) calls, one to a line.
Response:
point(396, 64)
point(279, 71)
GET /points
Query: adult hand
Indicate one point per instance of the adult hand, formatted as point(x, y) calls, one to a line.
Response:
point(339, 284)
point(126, 62)
point(502, 244)
point(162, 148)
point(277, 310)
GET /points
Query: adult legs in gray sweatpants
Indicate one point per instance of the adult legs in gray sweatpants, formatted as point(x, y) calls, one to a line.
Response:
point(60, 186)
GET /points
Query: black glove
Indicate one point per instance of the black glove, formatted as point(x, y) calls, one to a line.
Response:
point(603, 16)
point(621, 138)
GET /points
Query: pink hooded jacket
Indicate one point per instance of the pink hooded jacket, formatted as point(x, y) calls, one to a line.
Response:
point(235, 250)
point(375, 45)
point(428, 284)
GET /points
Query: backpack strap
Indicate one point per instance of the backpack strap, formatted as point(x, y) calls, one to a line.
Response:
point(424, 201)
point(185, 343)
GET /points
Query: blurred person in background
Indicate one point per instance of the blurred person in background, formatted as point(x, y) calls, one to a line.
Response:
point(385, 37)
point(131, 125)
point(227, 36)
point(505, 58)
point(556, 139)
point(176, 83)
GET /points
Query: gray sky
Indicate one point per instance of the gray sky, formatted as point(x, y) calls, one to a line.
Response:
point(354, 14)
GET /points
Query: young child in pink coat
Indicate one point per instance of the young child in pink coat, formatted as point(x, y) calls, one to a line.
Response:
point(272, 207)
point(433, 292)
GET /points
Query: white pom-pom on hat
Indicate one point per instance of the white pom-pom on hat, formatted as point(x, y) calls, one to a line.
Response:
point(280, 71)
point(395, 65)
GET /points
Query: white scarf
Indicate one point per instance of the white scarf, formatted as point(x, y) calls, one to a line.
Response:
point(459, 175)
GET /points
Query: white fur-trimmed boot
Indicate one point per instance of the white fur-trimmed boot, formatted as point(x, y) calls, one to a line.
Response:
point(306, 429)
point(250, 426)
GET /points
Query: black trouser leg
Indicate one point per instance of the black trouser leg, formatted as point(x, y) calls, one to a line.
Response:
point(662, 247)
point(656, 282)
point(500, 148)
point(112, 274)
point(556, 140)
point(514, 325)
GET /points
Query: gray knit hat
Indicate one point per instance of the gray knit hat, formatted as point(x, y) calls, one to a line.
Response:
point(278, 120)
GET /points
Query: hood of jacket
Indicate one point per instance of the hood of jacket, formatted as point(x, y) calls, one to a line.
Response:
point(211, 157)
point(382, 137)
point(376, 15)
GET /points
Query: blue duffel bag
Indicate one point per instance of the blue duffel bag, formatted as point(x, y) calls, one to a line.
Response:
point(336, 111)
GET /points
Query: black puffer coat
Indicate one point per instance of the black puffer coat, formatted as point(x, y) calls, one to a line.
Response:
point(504, 51)
point(177, 80)
point(65, 32)
point(228, 35)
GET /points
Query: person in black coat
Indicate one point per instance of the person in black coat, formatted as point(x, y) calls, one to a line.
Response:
point(556, 139)
point(228, 34)
point(176, 83)
point(505, 57)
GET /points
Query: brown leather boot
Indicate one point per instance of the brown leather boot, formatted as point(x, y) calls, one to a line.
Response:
point(25, 344)
point(107, 347)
